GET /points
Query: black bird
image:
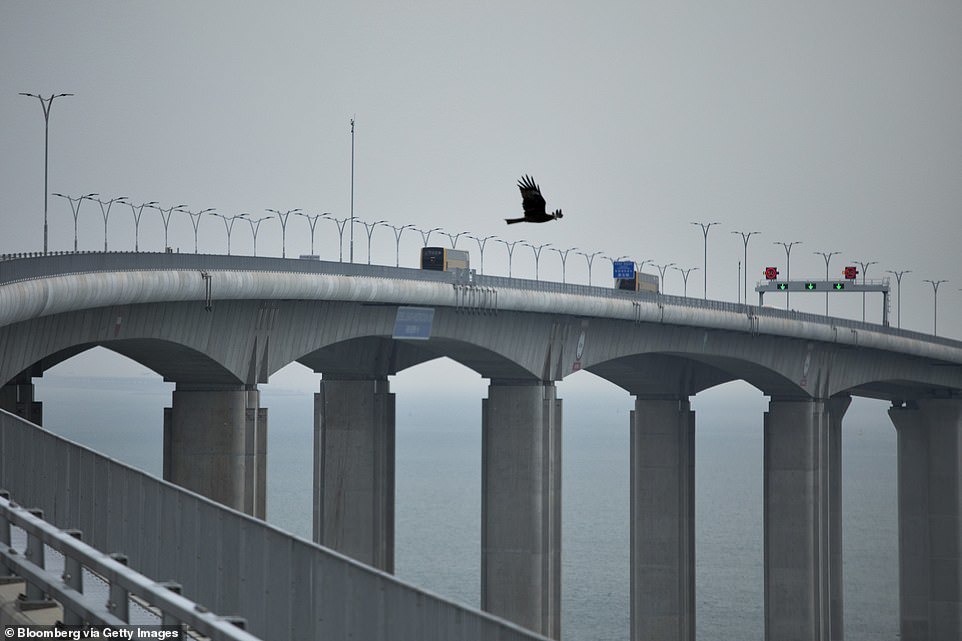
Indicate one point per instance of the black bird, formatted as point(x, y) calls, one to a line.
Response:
point(533, 203)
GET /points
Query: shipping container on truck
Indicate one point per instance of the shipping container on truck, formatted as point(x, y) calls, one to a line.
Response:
point(642, 282)
point(444, 259)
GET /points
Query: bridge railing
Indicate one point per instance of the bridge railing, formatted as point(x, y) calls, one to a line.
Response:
point(80, 560)
point(40, 266)
point(286, 588)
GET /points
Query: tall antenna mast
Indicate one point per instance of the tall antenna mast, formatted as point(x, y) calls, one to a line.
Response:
point(352, 190)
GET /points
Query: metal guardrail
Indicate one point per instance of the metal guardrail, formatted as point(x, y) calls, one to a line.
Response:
point(124, 583)
point(287, 588)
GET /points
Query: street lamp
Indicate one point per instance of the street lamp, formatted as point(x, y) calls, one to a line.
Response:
point(481, 243)
point(340, 225)
point(746, 235)
point(828, 257)
point(564, 259)
point(283, 218)
point(510, 247)
point(45, 104)
point(255, 227)
point(369, 228)
point(165, 215)
point(788, 264)
point(138, 212)
point(426, 235)
point(229, 224)
point(537, 256)
point(453, 238)
point(704, 230)
point(106, 212)
point(75, 208)
point(865, 267)
point(684, 276)
point(397, 242)
point(898, 295)
point(340, 222)
point(662, 269)
point(589, 258)
point(195, 220)
point(935, 292)
point(312, 221)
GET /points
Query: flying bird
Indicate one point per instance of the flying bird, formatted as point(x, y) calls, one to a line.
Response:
point(533, 203)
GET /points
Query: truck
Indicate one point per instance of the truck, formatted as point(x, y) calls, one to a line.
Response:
point(444, 259)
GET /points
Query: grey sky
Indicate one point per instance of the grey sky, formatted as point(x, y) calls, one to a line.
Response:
point(835, 124)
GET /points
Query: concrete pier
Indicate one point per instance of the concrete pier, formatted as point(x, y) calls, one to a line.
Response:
point(17, 398)
point(354, 469)
point(662, 520)
point(930, 507)
point(802, 495)
point(521, 504)
point(215, 443)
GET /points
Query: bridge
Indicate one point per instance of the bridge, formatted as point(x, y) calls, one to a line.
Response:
point(219, 326)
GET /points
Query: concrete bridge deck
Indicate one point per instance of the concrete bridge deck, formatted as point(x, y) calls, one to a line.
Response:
point(219, 326)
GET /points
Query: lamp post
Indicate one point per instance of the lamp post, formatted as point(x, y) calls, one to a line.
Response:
point(397, 243)
point(898, 294)
point(426, 234)
point(369, 228)
point(589, 258)
point(453, 237)
point(865, 267)
point(510, 247)
point(563, 254)
point(195, 221)
point(165, 216)
point(75, 208)
point(138, 212)
point(537, 256)
point(481, 243)
point(704, 230)
point(229, 224)
point(746, 236)
point(828, 257)
point(312, 221)
point(788, 264)
point(684, 276)
point(283, 216)
point(340, 222)
point(662, 269)
point(935, 310)
point(45, 104)
point(105, 210)
point(352, 193)
point(255, 227)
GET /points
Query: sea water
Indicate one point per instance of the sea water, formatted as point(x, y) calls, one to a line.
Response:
point(438, 494)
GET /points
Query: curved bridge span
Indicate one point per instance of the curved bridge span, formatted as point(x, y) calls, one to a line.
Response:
point(218, 326)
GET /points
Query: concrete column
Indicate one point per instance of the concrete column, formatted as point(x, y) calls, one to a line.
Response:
point(17, 398)
point(837, 408)
point(215, 444)
point(930, 536)
point(521, 504)
point(662, 520)
point(354, 469)
point(802, 506)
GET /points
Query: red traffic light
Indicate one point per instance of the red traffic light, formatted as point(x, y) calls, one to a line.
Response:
point(771, 273)
point(851, 272)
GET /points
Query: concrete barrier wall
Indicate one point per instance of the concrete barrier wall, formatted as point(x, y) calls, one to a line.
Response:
point(287, 588)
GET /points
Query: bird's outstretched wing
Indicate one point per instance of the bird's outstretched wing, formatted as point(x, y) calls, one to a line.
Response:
point(531, 199)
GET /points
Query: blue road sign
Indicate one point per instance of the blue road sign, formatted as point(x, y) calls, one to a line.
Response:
point(624, 269)
point(413, 323)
